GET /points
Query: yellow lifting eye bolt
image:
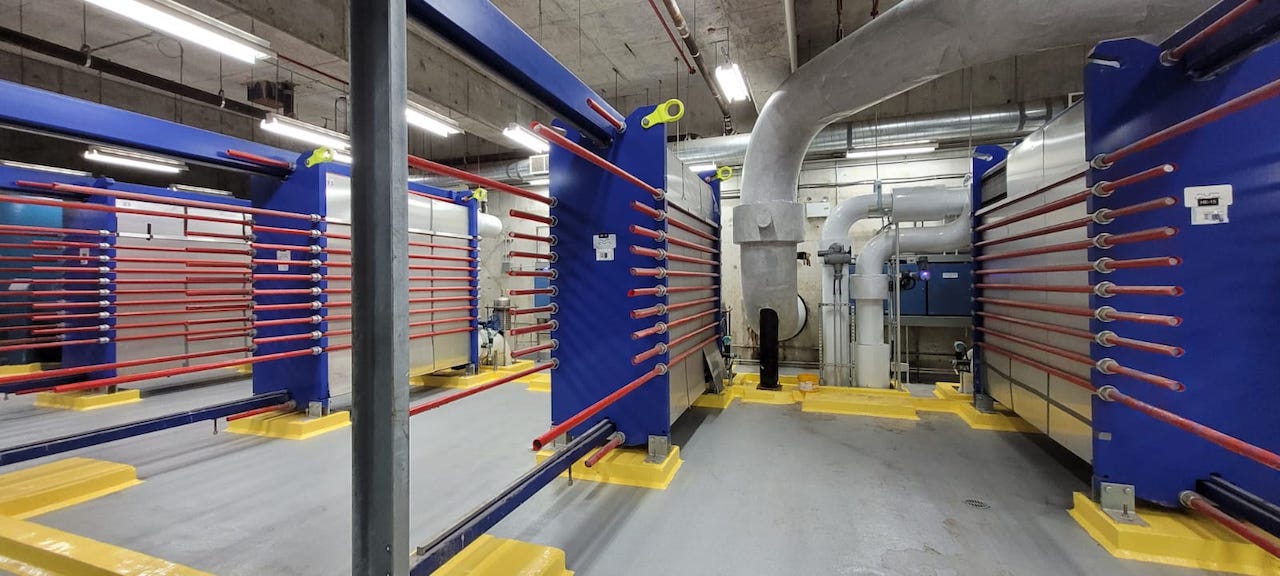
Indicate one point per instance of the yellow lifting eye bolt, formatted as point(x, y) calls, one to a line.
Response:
point(724, 173)
point(668, 112)
point(320, 155)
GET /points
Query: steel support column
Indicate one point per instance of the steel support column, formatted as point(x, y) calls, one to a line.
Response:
point(380, 291)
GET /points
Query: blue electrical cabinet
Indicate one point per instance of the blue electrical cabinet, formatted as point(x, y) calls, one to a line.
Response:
point(949, 289)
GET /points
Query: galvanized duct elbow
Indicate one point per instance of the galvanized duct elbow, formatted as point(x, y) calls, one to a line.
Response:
point(916, 41)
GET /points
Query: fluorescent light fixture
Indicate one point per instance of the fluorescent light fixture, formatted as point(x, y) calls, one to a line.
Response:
point(131, 159)
point(341, 157)
point(540, 182)
point(309, 133)
point(182, 23)
point(428, 120)
point(525, 137)
point(698, 168)
point(898, 151)
point(43, 168)
point(732, 82)
point(200, 190)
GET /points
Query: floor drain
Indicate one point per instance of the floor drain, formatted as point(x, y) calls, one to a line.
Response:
point(977, 504)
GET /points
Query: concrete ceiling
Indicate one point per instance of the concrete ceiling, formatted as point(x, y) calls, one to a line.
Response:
point(616, 46)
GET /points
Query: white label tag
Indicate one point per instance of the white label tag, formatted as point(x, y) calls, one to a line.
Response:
point(950, 275)
point(1208, 204)
point(282, 255)
point(604, 245)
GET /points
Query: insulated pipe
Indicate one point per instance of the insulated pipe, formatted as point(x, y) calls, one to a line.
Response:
point(917, 41)
point(870, 286)
point(915, 203)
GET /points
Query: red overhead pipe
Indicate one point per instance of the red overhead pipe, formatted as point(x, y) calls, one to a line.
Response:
point(522, 352)
point(438, 402)
point(657, 328)
point(532, 292)
point(437, 168)
point(664, 237)
point(664, 273)
point(537, 310)
point(1033, 193)
point(532, 255)
point(308, 232)
point(1230, 443)
point(1105, 313)
point(1067, 376)
point(523, 236)
point(560, 140)
point(1105, 365)
point(77, 370)
point(121, 195)
point(1105, 338)
point(660, 254)
point(439, 246)
point(1102, 265)
point(294, 337)
point(648, 211)
point(19, 229)
point(647, 312)
point(1177, 52)
point(671, 36)
point(307, 248)
point(117, 380)
point(532, 273)
point(127, 303)
point(617, 124)
point(543, 327)
point(282, 407)
point(548, 220)
point(577, 419)
point(289, 321)
point(260, 160)
point(664, 290)
point(314, 305)
point(1103, 289)
point(313, 263)
point(1103, 240)
point(1246, 101)
point(1102, 189)
point(659, 348)
point(1198, 503)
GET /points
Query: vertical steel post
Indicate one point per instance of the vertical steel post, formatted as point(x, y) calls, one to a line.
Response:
point(380, 294)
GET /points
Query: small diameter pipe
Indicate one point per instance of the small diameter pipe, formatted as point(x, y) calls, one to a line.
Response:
point(531, 255)
point(1104, 313)
point(664, 273)
point(22, 230)
point(105, 382)
point(548, 220)
point(121, 195)
point(1104, 289)
point(691, 303)
point(449, 399)
point(1206, 507)
point(1066, 376)
point(522, 352)
point(1032, 194)
point(536, 310)
point(617, 124)
point(1172, 55)
point(1230, 443)
point(532, 292)
point(681, 357)
point(615, 440)
point(437, 168)
point(260, 160)
point(532, 237)
point(1105, 365)
point(660, 254)
point(1105, 338)
point(1243, 102)
point(560, 140)
point(581, 417)
point(664, 237)
point(1103, 241)
point(532, 273)
point(1101, 189)
point(77, 370)
point(543, 327)
point(1104, 265)
point(689, 213)
point(47, 344)
point(283, 407)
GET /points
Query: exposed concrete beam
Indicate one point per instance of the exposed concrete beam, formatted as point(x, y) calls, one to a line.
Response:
point(758, 43)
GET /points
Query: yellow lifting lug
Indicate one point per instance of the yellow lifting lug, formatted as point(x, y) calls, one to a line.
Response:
point(724, 173)
point(320, 155)
point(479, 195)
point(667, 112)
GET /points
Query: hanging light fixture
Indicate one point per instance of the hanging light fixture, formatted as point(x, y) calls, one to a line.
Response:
point(182, 23)
point(525, 137)
point(426, 119)
point(301, 131)
point(732, 82)
point(132, 159)
point(891, 151)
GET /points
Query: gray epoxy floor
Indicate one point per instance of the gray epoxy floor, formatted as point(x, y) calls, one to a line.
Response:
point(764, 490)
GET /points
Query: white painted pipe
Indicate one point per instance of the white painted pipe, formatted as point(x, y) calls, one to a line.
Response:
point(909, 45)
point(490, 226)
point(870, 286)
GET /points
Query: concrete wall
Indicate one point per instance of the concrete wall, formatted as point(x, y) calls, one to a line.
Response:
point(832, 182)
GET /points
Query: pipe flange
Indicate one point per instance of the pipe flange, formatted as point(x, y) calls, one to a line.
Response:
point(316, 319)
point(1105, 393)
point(315, 233)
point(1098, 162)
point(253, 317)
point(104, 292)
point(316, 305)
point(554, 275)
point(554, 257)
point(1103, 338)
point(661, 290)
point(554, 221)
point(101, 340)
point(555, 325)
point(662, 254)
point(662, 348)
point(250, 305)
point(106, 233)
point(252, 332)
point(1102, 265)
point(555, 344)
point(554, 240)
point(316, 334)
point(660, 368)
point(316, 263)
point(1186, 497)
point(102, 315)
point(314, 249)
point(555, 291)
point(1167, 59)
point(315, 218)
point(554, 202)
point(662, 327)
point(315, 350)
point(104, 270)
point(1100, 241)
point(662, 273)
point(104, 281)
point(555, 362)
point(252, 237)
point(662, 194)
point(1100, 189)
point(104, 246)
point(254, 348)
point(317, 277)
point(316, 291)
point(104, 303)
point(1103, 313)
point(555, 308)
point(1103, 289)
point(104, 327)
